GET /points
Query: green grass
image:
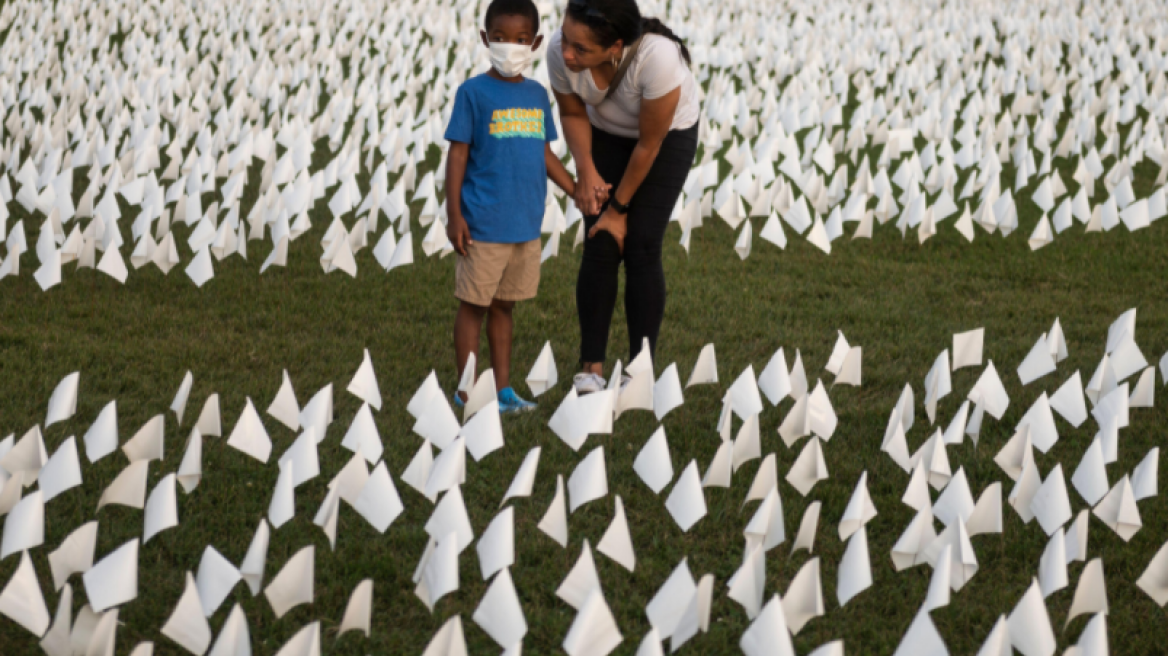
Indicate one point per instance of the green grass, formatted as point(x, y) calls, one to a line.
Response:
point(900, 301)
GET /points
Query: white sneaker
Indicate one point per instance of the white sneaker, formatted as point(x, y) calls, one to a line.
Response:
point(587, 383)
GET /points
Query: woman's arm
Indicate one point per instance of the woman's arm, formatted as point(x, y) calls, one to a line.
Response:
point(654, 123)
point(578, 134)
point(556, 171)
point(456, 229)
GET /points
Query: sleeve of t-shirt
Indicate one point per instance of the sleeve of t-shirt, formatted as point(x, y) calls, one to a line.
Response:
point(461, 125)
point(662, 68)
point(557, 71)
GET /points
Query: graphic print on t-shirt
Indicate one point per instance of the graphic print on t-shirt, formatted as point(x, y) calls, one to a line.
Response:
point(507, 123)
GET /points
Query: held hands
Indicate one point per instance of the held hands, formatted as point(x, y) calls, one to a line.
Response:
point(591, 192)
point(602, 192)
point(459, 234)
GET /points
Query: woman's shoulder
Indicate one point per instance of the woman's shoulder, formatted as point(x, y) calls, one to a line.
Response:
point(658, 50)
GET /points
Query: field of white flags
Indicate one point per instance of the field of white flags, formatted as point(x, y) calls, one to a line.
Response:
point(160, 136)
point(916, 416)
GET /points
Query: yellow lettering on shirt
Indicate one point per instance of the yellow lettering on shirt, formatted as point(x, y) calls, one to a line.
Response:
point(517, 122)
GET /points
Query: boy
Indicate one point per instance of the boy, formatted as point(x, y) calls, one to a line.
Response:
point(496, 172)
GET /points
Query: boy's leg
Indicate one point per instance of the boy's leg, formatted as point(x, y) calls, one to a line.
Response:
point(477, 279)
point(520, 282)
point(500, 327)
point(468, 323)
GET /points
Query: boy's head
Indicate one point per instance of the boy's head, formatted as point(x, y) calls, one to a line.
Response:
point(512, 21)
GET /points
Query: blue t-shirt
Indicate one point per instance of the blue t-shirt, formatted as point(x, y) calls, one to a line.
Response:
point(506, 125)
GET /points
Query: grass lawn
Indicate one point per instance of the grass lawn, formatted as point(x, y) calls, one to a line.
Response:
point(899, 300)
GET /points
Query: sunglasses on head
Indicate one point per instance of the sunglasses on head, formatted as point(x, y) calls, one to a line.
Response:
point(590, 12)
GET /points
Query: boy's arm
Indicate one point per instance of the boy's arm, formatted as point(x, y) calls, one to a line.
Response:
point(556, 171)
point(456, 229)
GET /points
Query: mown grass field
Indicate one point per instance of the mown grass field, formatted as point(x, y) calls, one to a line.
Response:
point(899, 300)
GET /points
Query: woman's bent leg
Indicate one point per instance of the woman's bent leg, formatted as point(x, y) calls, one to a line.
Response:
point(596, 289)
point(645, 280)
point(649, 215)
point(596, 286)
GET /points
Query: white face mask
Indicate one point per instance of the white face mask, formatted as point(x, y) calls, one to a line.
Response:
point(510, 59)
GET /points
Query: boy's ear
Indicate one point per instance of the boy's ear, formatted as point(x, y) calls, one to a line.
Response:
point(483, 36)
point(538, 41)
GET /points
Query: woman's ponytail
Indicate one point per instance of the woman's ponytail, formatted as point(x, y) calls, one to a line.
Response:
point(655, 26)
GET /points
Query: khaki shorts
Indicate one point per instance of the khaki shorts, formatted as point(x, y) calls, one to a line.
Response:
point(505, 272)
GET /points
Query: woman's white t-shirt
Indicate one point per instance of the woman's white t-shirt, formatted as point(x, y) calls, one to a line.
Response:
point(657, 70)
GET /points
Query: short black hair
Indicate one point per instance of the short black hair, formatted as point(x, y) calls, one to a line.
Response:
point(525, 8)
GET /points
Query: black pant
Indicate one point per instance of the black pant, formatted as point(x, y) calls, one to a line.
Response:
point(649, 213)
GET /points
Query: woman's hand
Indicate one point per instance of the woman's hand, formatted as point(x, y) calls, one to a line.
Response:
point(591, 191)
point(614, 223)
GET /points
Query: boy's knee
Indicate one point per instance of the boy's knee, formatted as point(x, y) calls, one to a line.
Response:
point(477, 311)
point(499, 307)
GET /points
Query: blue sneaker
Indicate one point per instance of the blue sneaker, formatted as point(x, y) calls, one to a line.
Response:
point(509, 402)
point(458, 403)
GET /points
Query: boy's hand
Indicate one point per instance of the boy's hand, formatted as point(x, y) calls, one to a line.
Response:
point(602, 192)
point(587, 196)
point(459, 234)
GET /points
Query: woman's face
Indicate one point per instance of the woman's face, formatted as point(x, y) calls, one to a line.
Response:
point(581, 52)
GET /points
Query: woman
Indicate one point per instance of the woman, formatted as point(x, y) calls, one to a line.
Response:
point(629, 109)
